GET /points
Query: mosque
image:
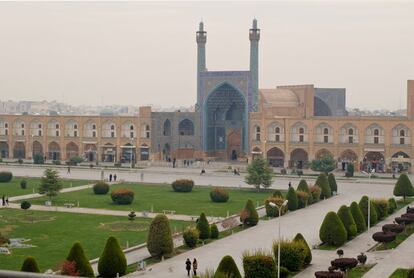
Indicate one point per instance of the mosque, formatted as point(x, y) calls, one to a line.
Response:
point(233, 120)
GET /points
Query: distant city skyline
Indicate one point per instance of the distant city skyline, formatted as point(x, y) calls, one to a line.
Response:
point(138, 53)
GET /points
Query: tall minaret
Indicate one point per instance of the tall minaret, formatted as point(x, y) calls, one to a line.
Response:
point(201, 38)
point(254, 36)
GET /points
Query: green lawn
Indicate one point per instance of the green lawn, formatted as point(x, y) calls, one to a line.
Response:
point(13, 188)
point(53, 233)
point(400, 273)
point(359, 271)
point(162, 197)
point(409, 230)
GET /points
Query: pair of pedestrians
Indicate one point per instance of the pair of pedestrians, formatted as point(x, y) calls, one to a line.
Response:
point(188, 267)
point(5, 201)
point(112, 177)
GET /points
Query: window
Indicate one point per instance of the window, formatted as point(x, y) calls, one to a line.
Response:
point(93, 126)
point(277, 130)
point(301, 138)
point(22, 125)
point(350, 131)
point(93, 133)
point(326, 139)
point(257, 136)
point(57, 132)
point(277, 139)
point(75, 126)
point(39, 126)
point(75, 133)
point(57, 126)
point(325, 131)
point(350, 140)
point(112, 127)
point(6, 132)
point(376, 140)
point(132, 134)
point(112, 134)
point(131, 127)
point(376, 132)
point(39, 132)
point(301, 130)
point(402, 132)
point(6, 125)
point(402, 141)
point(22, 132)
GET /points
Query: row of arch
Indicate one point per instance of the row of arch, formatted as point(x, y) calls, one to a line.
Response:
point(348, 134)
point(185, 128)
point(72, 128)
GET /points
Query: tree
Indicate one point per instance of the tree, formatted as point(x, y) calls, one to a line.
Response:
point(259, 173)
point(358, 217)
point(403, 187)
point(50, 183)
point(191, 236)
point(303, 186)
point(323, 183)
point(112, 260)
point(38, 159)
point(25, 205)
point(324, 164)
point(203, 227)
point(345, 215)
point(30, 265)
point(292, 199)
point(350, 170)
point(160, 242)
point(259, 265)
point(308, 252)
point(332, 183)
point(332, 230)
point(77, 255)
point(249, 215)
point(228, 267)
point(363, 205)
point(214, 232)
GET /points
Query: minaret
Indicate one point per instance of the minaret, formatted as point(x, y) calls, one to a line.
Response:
point(201, 38)
point(254, 36)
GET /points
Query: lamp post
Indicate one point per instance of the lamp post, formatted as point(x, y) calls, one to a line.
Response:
point(278, 237)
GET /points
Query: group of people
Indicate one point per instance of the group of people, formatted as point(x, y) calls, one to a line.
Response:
point(188, 266)
point(112, 177)
point(5, 201)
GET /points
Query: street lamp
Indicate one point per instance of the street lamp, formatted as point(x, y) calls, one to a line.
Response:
point(278, 237)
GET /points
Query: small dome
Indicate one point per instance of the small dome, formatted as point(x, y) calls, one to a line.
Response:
point(280, 97)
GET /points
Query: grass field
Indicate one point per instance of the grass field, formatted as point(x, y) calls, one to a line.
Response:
point(13, 188)
point(53, 233)
point(162, 197)
point(359, 271)
point(400, 273)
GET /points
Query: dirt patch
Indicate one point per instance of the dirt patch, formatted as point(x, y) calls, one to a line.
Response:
point(120, 226)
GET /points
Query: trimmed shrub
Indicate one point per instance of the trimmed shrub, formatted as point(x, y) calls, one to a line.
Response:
point(228, 267)
point(101, 188)
point(23, 184)
point(328, 274)
point(77, 255)
point(344, 213)
point(203, 226)
point(303, 186)
point(307, 251)
point(5, 176)
point(112, 260)
point(332, 183)
point(392, 205)
point(160, 242)
point(292, 254)
point(395, 228)
point(38, 159)
point(344, 264)
point(69, 268)
point(122, 196)
point(219, 195)
point(381, 206)
point(183, 185)
point(25, 205)
point(214, 232)
point(303, 198)
point(190, 236)
point(384, 237)
point(363, 205)
point(292, 199)
point(259, 265)
point(277, 193)
point(332, 231)
point(249, 216)
point(410, 273)
point(404, 220)
point(316, 193)
point(349, 170)
point(274, 211)
point(358, 217)
point(403, 187)
point(323, 183)
point(30, 265)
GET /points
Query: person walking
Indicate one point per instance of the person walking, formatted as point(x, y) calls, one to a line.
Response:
point(7, 201)
point(115, 178)
point(188, 266)
point(142, 176)
point(174, 160)
point(194, 267)
point(110, 177)
point(203, 171)
point(3, 201)
point(68, 169)
point(290, 184)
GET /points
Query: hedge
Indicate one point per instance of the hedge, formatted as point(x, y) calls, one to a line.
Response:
point(112, 260)
point(332, 183)
point(101, 188)
point(203, 226)
point(303, 186)
point(292, 254)
point(249, 215)
point(344, 213)
point(30, 265)
point(303, 198)
point(323, 183)
point(160, 242)
point(292, 198)
point(214, 232)
point(358, 217)
point(363, 204)
point(332, 230)
point(392, 205)
point(259, 265)
point(183, 185)
point(228, 267)
point(316, 193)
point(190, 236)
point(273, 211)
point(23, 184)
point(77, 255)
point(219, 195)
point(307, 251)
point(122, 196)
point(381, 206)
point(6, 176)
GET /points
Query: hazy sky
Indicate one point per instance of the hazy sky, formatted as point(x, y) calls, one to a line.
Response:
point(145, 53)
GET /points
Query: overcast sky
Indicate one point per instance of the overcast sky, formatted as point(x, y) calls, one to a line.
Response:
point(142, 53)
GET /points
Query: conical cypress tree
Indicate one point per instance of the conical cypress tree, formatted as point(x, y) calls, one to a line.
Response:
point(303, 186)
point(292, 199)
point(358, 217)
point(227, 267)
point(203, 227)
point(277, 193)
point(30, 265)
point(363, 205)
point(332, 231)
point(322, 182)
point(345, 215)
point(308, 257)
point(249, 215)
point(77, 255)
point(112, 260)
point(160, 242)
point(403, 187)
point(332, 183)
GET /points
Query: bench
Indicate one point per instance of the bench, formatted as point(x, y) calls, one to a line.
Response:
point(168, 211)
point(69, 205)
